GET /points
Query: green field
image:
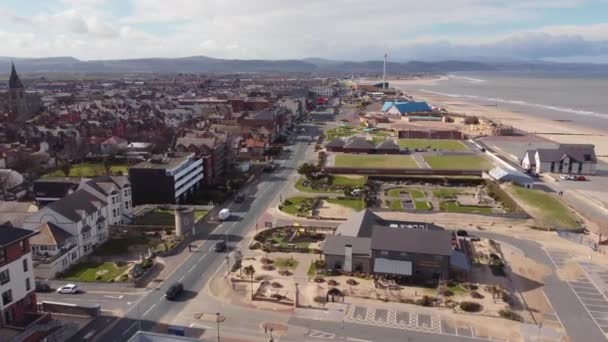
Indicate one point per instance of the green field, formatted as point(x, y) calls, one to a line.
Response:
point(371, 161)
point(333, 184)
point(550, 211)
point(90, 170)
point(422, 205)
point(458, 162)
point(341, 131)
point(439, 144)
point(292, 205)
point(446, 193)
point(355, 204)
point(454, 207)
point(94, 271)
point(163, 217)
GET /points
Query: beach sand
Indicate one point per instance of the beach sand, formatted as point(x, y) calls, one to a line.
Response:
point(559, 131)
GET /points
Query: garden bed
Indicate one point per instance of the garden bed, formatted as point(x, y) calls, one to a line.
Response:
point(90, 271)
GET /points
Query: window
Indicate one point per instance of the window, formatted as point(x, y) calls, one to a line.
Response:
point(25, 265)
point(403, 254)
point(383, 252)
point(113, 200)
point(2, 254)
point(7, 297)
point(23, 245)
point(113, 212)
point(5, 277)
point(28, 285)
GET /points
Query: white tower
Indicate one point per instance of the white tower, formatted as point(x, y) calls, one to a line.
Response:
point(384, 73)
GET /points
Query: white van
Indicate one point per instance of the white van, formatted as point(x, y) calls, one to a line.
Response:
point(224, 214)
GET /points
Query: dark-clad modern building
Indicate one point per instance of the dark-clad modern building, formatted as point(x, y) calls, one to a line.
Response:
point(168, 179)
point(368, 244)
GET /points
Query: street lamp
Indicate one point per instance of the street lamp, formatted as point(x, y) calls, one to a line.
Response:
point(219, 319)
point(227, 265)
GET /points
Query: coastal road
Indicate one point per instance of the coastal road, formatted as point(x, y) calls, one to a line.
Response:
point(204, 262)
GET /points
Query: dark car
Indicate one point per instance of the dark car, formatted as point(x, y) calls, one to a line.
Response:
point(174, 290)
point(220, 246)
point(42, 287)
point(269, 167)
point(240, 198)
point(461, 232)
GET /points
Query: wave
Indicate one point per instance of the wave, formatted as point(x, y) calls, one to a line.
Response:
point(469, 79)
point(522, 103)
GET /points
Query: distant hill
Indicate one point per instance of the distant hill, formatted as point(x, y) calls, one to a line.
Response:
point(203, 64)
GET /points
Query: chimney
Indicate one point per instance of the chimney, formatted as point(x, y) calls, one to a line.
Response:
point(348, 258)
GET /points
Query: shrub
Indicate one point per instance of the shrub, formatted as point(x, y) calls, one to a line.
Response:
point(407, 301)
point(98, 278)
point(352, 282)
point(470, 306)
point(255, 245)
point(446, 292)
point(124, 277)
point(471, 287)
point(477, 295)
point(277, 296)
point(319, 280)
point(451, 303)
point(266, 261)
point(276, 285)
point(236, 265)
point(498, 269)
point(508, 314)
point(320, 299)
point(285, 273)
point(332, 282)
point(425, 301)
point(268, 267)
point(119, 263)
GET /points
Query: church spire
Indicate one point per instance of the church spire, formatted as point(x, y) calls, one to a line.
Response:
point(14, 81)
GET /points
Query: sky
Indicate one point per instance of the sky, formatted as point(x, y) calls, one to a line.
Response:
point(569, 30)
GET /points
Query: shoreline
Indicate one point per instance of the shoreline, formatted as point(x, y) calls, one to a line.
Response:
point(559, 131)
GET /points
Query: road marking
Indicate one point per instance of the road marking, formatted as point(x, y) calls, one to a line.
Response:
point(148, 311)
point(115, 297)
point(129, 328)
point(89, 334)
point(191, 268)
point(182, 278)
point(202, 257)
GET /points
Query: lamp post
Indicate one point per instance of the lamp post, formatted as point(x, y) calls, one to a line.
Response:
point(227, 265)
point(219, 319)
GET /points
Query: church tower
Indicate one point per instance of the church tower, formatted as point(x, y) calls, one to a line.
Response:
point(17, 103)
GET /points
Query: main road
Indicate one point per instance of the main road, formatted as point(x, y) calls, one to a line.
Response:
point(204, 262)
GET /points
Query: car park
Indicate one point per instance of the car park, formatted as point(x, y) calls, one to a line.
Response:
point(68, 289)
point(174, 291)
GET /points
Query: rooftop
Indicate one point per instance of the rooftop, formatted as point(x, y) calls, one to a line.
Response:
point(168, 161)
point(10, 235)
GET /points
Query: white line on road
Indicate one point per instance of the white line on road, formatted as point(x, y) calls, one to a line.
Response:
point(89, 334)
point(202, 257)
point(129, 328)
point(180, 279)
point(191, 268)
point(148, 311)
point(115, 297)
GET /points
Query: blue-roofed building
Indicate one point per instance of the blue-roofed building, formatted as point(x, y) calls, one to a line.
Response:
point(403, 108)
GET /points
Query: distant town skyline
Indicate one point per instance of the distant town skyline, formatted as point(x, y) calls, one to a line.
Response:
point(569, 30)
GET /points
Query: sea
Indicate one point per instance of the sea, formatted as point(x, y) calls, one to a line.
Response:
point(565, 97)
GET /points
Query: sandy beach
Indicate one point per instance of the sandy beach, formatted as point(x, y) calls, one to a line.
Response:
point(559, 131)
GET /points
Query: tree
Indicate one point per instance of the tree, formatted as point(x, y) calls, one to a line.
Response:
point(66, 167)
point(250, 271)
point(308, 170)
point(107, 165)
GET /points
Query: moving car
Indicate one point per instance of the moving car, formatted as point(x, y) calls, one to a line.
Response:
point(224, 214)
point(174, 290)
point(68, 289)
point(240, 198)
point(220, 246)
point(42, 287)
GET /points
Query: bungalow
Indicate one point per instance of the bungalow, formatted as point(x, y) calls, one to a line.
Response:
point(358, 145)
point(113, 145)
point(388, 146)
point(368, 244)
point(566, 158)
point(404, 108)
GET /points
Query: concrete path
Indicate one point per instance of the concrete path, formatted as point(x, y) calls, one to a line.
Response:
point(419, 159)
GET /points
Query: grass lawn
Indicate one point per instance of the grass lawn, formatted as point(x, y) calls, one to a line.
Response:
point(290, 205)
point(414, 193)
point(118, 246)
point(396, 204)
point(286, 263)
point(89, 170)
point(337, 180)
point(164, 217)
point(462, 162)
point(422, 205)
point(446, 193)
point(355, 204)
point(551, 211)
point(454, 207)
point(370, 161)
point(440, 144)
point(88, 271)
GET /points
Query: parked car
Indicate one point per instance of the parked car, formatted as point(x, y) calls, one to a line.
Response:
point(269, 167)
point(563, 177)
point(581, 178)
point(42, 287)
point(240, 198)
point(68, 289)
point(220, 246)
point(462, 232)
point(174, 291)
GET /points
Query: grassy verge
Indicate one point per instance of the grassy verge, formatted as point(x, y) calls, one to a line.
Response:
point(375, 161)
point(422, 205)
point(292, 205)
point(446, 193)
point(355, 204)
point(334, 184)
point(90, 170)
point(458, 162)
point(118, 246)
point(547, 208)
point(396, 204)
point(454, 207)
point(342, 131)
point(164, 217)
point(286, 263)
point(439, 144)
point(94, 271)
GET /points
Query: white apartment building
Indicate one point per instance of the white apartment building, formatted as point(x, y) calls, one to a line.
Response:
point(116, 191)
